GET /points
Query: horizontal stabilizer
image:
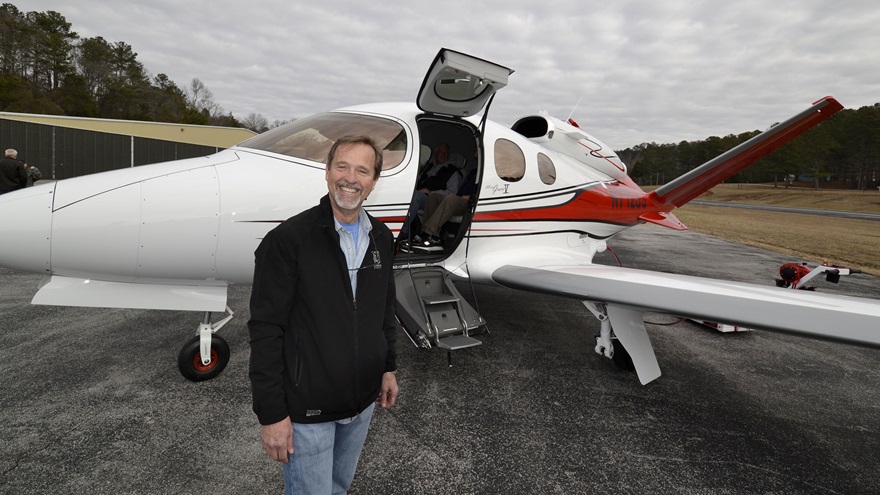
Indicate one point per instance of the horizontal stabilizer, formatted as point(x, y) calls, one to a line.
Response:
point(663, 219)
point(699, 180)
point(824, 316)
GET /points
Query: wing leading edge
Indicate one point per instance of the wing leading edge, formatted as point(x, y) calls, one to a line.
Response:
point(823, 316)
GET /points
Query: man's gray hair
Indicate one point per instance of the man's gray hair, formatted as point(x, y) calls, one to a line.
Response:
point(11, 153)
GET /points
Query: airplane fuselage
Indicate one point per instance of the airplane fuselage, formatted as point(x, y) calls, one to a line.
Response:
point(198, 221)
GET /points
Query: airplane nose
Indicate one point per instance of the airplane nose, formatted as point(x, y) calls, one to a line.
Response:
point(26, 227)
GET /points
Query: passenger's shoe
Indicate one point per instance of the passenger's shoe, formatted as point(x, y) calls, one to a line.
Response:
point(431, 243)
point(432, 240)
point(406, 244)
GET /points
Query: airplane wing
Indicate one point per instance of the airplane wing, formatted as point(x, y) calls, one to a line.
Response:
point(628, 292)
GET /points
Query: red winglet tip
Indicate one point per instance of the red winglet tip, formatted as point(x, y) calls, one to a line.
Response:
point(836, 105)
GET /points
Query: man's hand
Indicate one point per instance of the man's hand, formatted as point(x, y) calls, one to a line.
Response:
point(388, 393)
point(278, 439)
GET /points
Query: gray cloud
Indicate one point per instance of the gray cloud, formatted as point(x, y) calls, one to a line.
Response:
point(644, 71)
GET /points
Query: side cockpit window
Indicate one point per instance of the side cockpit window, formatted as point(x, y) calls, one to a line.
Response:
point(311, 138)
point(510, 163)
point(546, 169)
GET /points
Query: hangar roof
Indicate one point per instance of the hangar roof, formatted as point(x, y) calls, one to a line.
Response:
point(205, 135)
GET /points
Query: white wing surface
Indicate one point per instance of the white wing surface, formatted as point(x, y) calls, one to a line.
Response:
point(810, 314)
point(825, 316)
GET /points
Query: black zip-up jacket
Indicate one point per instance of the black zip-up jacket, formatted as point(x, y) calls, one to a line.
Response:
point(12, 174)
point(317, 352)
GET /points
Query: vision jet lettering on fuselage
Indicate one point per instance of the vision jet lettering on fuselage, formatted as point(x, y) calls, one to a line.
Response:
point(176, 235)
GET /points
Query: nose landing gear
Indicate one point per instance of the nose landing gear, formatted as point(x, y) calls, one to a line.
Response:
point(206, 355)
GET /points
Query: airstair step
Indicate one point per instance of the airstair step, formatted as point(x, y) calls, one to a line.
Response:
point(439, 299)
point(457, 342)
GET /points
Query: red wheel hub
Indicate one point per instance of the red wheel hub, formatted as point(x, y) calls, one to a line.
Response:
point(197, 361)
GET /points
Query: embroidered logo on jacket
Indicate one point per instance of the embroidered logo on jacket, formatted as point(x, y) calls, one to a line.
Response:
point(377, 262)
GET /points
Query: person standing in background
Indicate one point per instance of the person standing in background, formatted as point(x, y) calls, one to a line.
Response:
point(12, 173)
point(33, 174)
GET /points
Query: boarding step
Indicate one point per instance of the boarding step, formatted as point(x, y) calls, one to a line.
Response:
point(457, 342)
point(445, 318)
point(436, 248)
point(431, 310)
point(430, 299)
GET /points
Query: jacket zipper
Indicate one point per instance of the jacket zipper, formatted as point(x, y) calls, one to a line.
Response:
point(357, 375)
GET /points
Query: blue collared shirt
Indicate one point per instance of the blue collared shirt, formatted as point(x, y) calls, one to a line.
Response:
point(354, 246)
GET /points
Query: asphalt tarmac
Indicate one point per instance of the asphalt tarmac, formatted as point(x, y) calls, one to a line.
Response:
point(855, 215)
point(92, 402)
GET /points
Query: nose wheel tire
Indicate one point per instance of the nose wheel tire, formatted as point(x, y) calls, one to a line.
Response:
point(189, 361)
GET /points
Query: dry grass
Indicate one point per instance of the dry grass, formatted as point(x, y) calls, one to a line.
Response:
point(850, 243)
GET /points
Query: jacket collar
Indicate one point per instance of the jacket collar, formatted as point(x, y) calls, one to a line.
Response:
point(328, 220)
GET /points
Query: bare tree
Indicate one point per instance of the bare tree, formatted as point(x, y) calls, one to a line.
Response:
point(201, 98)
point(256, 122)
point(278, 123)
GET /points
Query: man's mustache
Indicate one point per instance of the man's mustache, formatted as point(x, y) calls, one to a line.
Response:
point(351, 185)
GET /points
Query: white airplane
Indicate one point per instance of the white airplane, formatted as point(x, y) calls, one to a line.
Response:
point(176, 235)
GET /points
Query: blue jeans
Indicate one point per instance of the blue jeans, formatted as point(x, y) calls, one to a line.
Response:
point(419, 200)
point(325, 455)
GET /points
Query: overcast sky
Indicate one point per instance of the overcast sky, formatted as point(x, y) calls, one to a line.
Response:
point(644, 71)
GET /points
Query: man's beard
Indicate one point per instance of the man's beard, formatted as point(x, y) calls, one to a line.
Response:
point(345, 201)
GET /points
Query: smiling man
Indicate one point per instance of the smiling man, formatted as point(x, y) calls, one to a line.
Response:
point(322, 327)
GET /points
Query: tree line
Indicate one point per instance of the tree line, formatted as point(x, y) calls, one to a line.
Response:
point(843, 152)
point(47, 68)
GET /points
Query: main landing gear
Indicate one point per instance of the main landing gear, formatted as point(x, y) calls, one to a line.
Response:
point(606, 340)
point(206, 355)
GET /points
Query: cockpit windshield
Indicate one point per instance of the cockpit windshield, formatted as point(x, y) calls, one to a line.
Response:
point(311, 138)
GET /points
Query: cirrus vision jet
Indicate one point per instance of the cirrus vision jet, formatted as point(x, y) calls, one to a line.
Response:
point(549, 195)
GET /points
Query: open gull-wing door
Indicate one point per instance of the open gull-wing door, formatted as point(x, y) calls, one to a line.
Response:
point(459, 85)
point(429, 307)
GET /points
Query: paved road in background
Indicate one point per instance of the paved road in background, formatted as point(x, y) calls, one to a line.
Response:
point(92, 402)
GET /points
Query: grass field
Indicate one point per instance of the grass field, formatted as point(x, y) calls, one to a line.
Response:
point(849, 243)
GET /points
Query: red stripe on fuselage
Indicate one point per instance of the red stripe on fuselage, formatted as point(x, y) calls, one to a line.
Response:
point(619, 203)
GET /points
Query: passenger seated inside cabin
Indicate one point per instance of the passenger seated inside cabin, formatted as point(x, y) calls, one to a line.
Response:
point(441, 175)
point(438, 210)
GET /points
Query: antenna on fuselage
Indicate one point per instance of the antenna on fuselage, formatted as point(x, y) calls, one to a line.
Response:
point(573, 109)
